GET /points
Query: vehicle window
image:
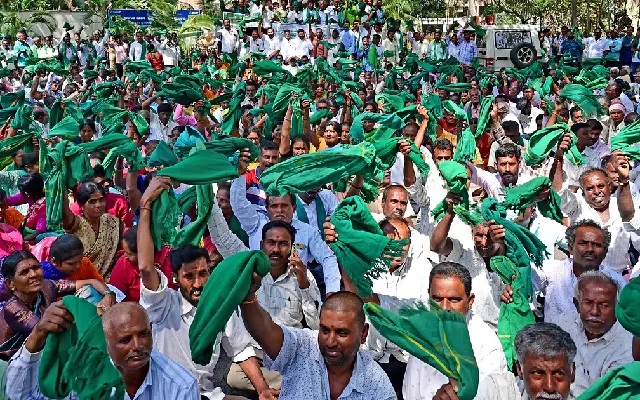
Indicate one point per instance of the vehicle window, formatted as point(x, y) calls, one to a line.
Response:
point(481, 42)
point(509, 39)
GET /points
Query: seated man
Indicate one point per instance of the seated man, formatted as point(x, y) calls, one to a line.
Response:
point(545, 361)
point(147, 374)
point(316, 365)
point(602, 342)
point(450, 287)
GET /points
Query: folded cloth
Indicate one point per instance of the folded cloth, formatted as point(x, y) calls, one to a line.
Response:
point(521, 196)
point(621, 383)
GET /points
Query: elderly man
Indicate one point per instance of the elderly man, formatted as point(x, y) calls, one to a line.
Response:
point(588, 244)
point(602, 342)
point(450, 286)
point(147, 374)
point(317, 365)
point(545, 361)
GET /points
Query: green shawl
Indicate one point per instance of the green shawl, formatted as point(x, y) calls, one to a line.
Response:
point(626, 139)
point(232, 117)
point(515, 315)
point(584, 98)
point(67, 129)
point(162, 156)
point(627, 307)
point(621, 383)
point(521, 196)
point(361, 248)
point(76, 360)
point(544, 141)
point(234, 274)
point(437, 337)
point(456, 176)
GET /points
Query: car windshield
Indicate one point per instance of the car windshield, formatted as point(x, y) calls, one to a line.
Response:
point(509, 39)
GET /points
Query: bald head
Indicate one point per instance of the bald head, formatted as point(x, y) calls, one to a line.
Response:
point(345, 302)
point(121, 314)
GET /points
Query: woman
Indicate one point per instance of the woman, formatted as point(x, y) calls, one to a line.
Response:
point(87, 131)
point(126, 274)
point(68, 261)
point(98, 231)
point(32, 193)
point(29, 295)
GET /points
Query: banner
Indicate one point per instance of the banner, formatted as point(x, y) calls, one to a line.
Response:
point(140, 17)
point(183, 15)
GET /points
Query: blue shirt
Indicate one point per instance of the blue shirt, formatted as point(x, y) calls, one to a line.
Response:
point(625, 50)
point(304, 373)
point(615, 45)
point(349, 41)
point(166, 379)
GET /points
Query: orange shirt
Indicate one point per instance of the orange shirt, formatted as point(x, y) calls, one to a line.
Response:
point(13, 217)
point(86, 271)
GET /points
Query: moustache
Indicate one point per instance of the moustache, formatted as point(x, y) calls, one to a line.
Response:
point(549, 396)
point(142, 353)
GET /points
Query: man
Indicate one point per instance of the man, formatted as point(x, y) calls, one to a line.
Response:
point(229, 39)
point(587, 243)
point(302, 45)
point(271, 44)
point(147, 374)
point(450, 287)
point(473, 106)
point(269, 156)
point(467, 50)
point(99, 41)
point(287, 46)
point(488, 241)
point(390, 46)
point(602, 342)
point(545, 361)
point(317, 365)
point(138, 49)
point(595, 45)
point(419, 46)
point(615, 93)
point(282, 208)
point(172, 312)
point(626, 47)
point(438, 48)
point(314, 206)
point(509, 171)
point(506, 132)
point(557, 43)
point(614, 124)
point(161, 124)
point(571, 50)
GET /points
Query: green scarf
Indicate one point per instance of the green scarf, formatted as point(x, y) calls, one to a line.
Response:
point(361, 248)
point(12, 144)
point(104, 143)
point(521, 196)
point(234, 274)
point(321, 213)
point(83, 344)
point(437, 337)
point(627, 137)
point(466, 148)
point(128, 151)
point(584, 98)
point(545, 140)
point(626, 309)
point(621, 383)
point(317, 116)
point(236, 228)
point(515, 315)
point(67, 129)
point(456, 176)
point(23, 118)
point(232, 117)
point(62, 109)
point(484, 115)
point(162, 156)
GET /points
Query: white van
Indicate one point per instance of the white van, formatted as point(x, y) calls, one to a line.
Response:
point(508, 46)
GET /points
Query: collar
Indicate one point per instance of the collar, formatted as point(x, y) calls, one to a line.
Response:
point(606, 338)
point(148, 380)
point(187, 308)
point(357, 381)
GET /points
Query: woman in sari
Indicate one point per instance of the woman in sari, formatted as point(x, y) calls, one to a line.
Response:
point(32, 193)
point(98, 231)
point(28, 295)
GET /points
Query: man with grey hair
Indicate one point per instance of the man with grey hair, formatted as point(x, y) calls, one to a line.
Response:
point(545, 361)
point(602, 343)
point(588, 244)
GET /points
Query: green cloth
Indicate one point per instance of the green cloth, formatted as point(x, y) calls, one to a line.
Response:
point(228, 146)
point(12, 144)
point(437, 337)
point(466, 148)
point(486, 105)
point(362, 249)
point(456, 176)
point(515, 315)
point(620, 383)
point(23, 118)
point(162, 156)
point(453, 108)
point(232, 117)
point(584, 98)
point(76, 360)
point(545, 140)
point(104, 143)
point(63, 167)
point(521, 196)
point(628, 136)
point(204, 167)
point(266, 67)
point(9, 100)
point(235, 275)
point(317, 116)
point(186, 141)
point(67, 129)
point(627, 307)
point(130, 152)
point(522, 246)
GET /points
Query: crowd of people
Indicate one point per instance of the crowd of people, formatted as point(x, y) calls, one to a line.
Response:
point(347, 205)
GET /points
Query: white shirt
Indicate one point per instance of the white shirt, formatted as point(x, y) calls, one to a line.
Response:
point(135, 51)
point(256, 45)
point(557, 282)
point(302, 47)
point(170, 53)
point(229, 40)
point(494, 147)
point(171, 317)
point(487, 286)
point(308, 237)
point(596, 357)
point(287, 48)
point(595, 48)
point(156, 127)
point(492, 183)
point(422, 381)
point(330, 202)
point(577, 209)
point(270, 45)
point(592, 157)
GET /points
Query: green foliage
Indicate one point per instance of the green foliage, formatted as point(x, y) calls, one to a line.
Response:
point(11, 23)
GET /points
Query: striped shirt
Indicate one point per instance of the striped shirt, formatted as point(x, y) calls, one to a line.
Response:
point(166, 379)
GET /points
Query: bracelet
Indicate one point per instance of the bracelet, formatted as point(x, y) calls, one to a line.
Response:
point(145, 208)
point(255, 299)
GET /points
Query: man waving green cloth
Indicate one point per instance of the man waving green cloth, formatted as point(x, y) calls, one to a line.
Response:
point(234, 274)
point(544, 141)
point(76, 360)
point(439, 338)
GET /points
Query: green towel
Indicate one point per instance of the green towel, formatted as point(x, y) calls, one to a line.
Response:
point(162, 156)
point(627, 307)
point(23, 118)
point(486, 105)
point(627, 137)
point(456, 176)
point(437, 337)
point(521, 196)
point(76, 360)
point(228, 146)
point(545, 140)
point(466, 148)
point(67, 129)
point(234, 274)
point(317, 116)
point(104, 143)
point(515, 315)
point(130, 152)
point(621, 383)
point(12, 144)
point(361, 248)
point(204, 167)
point(232, 117)
point(584, 98)
point(454, 109)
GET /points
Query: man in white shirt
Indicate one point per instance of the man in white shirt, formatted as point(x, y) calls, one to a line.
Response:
point(229, 38)
point(302, 46)
point(287, 46)
point(310, 204)
point(602, 343)
point(271, 44)
point(99, 42)
point(451, 288)
point(138, 49)
point(545, 361)
point(172, 312)
point(595, 45)
point(170, 52)
point(160, 123)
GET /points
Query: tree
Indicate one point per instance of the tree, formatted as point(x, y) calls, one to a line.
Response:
point(11, 23)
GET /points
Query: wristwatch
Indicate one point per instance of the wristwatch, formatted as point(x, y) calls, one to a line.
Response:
point(108, 292)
